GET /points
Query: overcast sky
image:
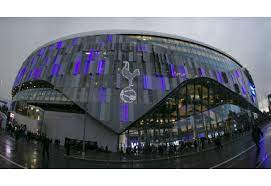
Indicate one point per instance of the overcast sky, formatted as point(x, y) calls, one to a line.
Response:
point(246, 39)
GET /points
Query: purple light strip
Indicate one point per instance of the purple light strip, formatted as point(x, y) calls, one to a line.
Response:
point(102, 94)
point(55, 70)
point(51, 47)
point(172, 71)
point(47, 62)
point(162, 84)
point(182, 71)
point(145, 81)
point(88, 62)
point(29, 75)
point(201, 72)
point(59, 44)
point(237, 74)
point(232, 78)
point(22, 73)
point(142, 47)
point(219, 77)
point(124, 112)
point(77, 67)
point(37, 73)
point(34, 60)
point(100, 66)
point(20, 76)
point(127, 112)
point(244, 90)
point(41, 52)
point(109, 38)
point(90, 55)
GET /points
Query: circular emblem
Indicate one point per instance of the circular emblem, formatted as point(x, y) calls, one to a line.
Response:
point(128, 95)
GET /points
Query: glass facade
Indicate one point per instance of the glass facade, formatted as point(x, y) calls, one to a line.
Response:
point(196, 109)
point(87, 70)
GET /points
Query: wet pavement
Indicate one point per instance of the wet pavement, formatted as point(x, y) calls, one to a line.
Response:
point(240, 154)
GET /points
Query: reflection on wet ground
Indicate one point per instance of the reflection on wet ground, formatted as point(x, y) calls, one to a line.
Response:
point(29, 155)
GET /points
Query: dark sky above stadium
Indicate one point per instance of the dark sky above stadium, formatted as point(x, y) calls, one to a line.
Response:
point(246, 39)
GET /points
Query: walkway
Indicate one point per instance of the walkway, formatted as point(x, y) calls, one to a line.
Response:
point(240, 154)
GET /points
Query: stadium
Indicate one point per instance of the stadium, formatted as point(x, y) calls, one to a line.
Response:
point(120, 88)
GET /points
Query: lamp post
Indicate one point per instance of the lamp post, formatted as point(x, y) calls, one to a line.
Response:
point(84, 128)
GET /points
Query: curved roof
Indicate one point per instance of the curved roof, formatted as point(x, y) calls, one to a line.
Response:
point(136, 32)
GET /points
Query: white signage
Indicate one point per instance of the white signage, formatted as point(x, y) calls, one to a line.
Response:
point(128, 95)
point(11, 115)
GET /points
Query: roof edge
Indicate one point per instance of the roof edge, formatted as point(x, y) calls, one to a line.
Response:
point(137, 32)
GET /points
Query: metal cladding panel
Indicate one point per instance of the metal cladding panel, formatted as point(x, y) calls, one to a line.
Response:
point(117, 78)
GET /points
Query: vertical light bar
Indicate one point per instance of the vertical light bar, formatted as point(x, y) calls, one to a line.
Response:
point(201, 72)
point(100, 66)
point(88, 61)
point(244, 90)
point(37, 73)
point(29, 75)
point(55, 70)
point(219, 77)
point(76, 68)
point(109, 38)
point(145, 82)
point(41, 52)
point(124, 112)
point(162, 84)
point(87, 64)
point(172, 71)
point(20, 76)
point(34, 60)
point(52, 47)
point(183, 71)
point(59, 44)
point(22, 73)
point(47, 61)
point(237, 74)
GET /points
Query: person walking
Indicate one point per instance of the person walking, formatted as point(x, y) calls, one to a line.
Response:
point(202, 140)
point(256, 136)
point(196, 145)
point(218, 142)
point(46, 143)
point(68, 146)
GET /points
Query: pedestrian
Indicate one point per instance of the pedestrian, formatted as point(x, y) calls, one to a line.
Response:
point(256, 136)
point(68, 146)
point(106, 148)
point(196, 145)
point(218, 142)
point(17, 134)
point(46, 143)
point(28, 136)
point(202, 143)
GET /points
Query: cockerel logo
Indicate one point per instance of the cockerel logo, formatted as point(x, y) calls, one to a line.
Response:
point(128, 95)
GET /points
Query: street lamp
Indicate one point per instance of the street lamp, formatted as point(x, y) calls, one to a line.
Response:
point(84, 128)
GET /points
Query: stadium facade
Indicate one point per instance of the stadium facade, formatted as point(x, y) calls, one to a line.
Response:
point(127, 88)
